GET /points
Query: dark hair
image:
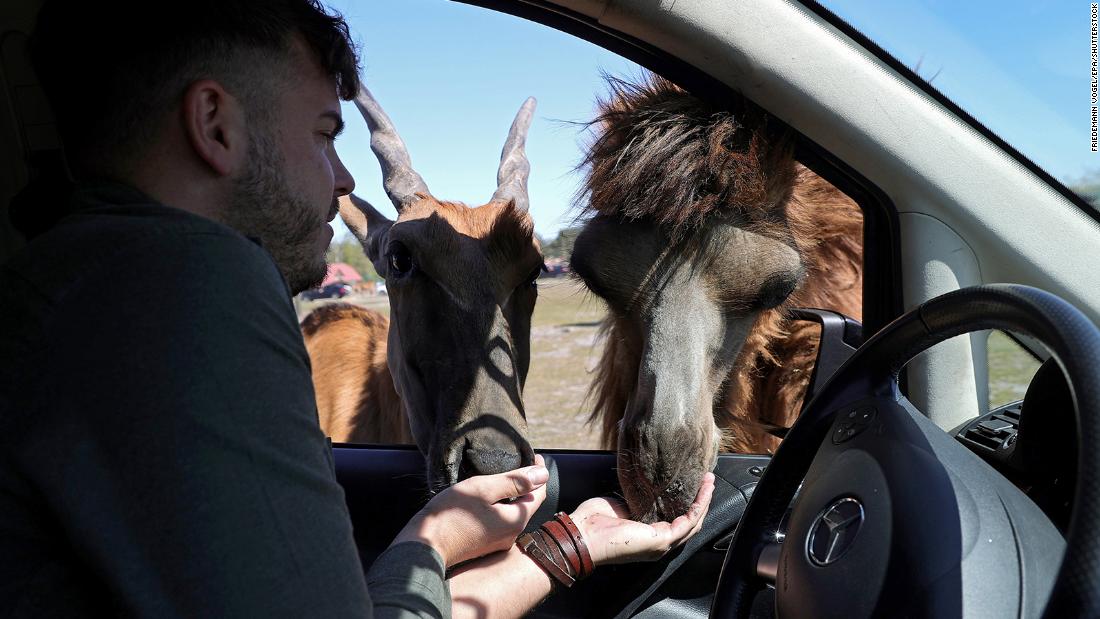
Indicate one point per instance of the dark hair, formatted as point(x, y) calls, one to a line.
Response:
point(111, 69)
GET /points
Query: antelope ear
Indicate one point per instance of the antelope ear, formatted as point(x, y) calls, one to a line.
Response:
point(368, 225)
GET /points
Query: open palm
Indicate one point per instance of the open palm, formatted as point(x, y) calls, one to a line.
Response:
point(613, 538)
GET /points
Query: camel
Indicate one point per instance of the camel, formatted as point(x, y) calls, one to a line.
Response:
point(703, 231)
point(447, 369)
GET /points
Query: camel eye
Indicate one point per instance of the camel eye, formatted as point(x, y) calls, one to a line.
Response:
point(401, 262)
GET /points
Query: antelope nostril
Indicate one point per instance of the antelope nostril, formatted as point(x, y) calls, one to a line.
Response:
point(488, 461)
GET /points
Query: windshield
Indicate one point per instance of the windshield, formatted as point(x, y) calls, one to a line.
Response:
point(1024, 69)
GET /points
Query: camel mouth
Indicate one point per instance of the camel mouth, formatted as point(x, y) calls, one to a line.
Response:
point(660, 494)
point(649, 504)
point(661, 484)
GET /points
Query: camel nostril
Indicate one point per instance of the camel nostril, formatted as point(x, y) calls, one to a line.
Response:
point(488, 462)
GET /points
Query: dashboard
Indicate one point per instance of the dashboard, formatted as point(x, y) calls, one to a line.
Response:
point(1032, 442)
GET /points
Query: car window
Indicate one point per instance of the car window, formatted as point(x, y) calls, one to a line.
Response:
point(1011, 368)
point(451, 100)
point(1025, 70)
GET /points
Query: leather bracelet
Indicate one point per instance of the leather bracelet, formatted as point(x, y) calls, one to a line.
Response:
point(578, 540)
point(560, 542)
point(559, 549)
point(554, 551)
point(534, 546)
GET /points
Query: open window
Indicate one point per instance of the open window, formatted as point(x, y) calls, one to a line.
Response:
point(566, 342)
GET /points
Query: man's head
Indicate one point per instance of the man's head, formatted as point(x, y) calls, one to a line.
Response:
point(226, 108)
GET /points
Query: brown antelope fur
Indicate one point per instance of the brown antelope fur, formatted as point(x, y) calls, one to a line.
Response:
point(665, 157)
point(356, 399)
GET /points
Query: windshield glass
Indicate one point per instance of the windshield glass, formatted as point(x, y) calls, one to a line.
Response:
point(1024, 69)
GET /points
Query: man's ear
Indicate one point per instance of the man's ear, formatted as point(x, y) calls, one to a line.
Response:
point(215, 125)
point(369, 226)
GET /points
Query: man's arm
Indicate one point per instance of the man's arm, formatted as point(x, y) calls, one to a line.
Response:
point(177, 442)
point(504, 584)
point(407, 581)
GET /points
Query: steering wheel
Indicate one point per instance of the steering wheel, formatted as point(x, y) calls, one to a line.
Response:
point(896, 518)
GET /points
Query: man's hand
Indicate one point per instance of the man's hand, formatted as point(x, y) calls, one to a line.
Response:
point(613, 538)
point(479, 515)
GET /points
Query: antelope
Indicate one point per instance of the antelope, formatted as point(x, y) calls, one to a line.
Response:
point(447, 369)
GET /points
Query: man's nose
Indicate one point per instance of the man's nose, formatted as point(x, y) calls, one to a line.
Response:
point(344, 183)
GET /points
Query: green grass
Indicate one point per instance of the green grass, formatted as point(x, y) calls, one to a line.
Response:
point(564, 349)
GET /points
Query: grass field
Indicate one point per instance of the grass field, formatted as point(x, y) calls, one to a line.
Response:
point(565, 348)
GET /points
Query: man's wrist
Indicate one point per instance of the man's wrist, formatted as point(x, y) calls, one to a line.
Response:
point(533, 567)
point(420, 530)
point(559, 548)
point(595, 549)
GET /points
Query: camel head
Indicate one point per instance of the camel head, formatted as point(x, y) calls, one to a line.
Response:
point(461, 284)
point(688, 245)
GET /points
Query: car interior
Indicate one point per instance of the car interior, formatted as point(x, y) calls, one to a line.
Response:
point(961, 510)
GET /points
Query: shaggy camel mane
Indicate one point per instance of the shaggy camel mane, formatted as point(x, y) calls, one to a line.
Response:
point(662, 154)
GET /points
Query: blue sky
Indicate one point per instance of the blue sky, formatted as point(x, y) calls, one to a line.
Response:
point(452, 76)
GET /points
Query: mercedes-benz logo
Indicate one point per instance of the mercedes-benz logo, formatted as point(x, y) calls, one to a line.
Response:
point(834, 530)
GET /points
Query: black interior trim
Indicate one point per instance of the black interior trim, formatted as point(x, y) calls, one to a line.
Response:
point(863, 41)
point(882, 297)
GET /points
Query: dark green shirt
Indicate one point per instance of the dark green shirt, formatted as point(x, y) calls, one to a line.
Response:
point(160, 454)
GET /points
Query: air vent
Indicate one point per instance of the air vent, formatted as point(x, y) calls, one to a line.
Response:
point(994, 435)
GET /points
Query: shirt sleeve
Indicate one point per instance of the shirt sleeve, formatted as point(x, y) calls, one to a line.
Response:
point(407, 582)
point(176, 439)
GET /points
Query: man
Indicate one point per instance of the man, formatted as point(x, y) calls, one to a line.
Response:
point(159, 447)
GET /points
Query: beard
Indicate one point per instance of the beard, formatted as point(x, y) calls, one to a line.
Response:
point(265, 207)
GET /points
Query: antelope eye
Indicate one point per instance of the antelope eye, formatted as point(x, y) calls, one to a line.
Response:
point(401, 262)
point(533, 279)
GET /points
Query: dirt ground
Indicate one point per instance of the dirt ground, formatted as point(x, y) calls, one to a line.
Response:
point(564, 349)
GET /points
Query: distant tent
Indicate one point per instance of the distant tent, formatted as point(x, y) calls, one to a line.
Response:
point(341, 272)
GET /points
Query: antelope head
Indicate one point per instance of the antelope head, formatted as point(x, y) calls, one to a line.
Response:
point(461, 285)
